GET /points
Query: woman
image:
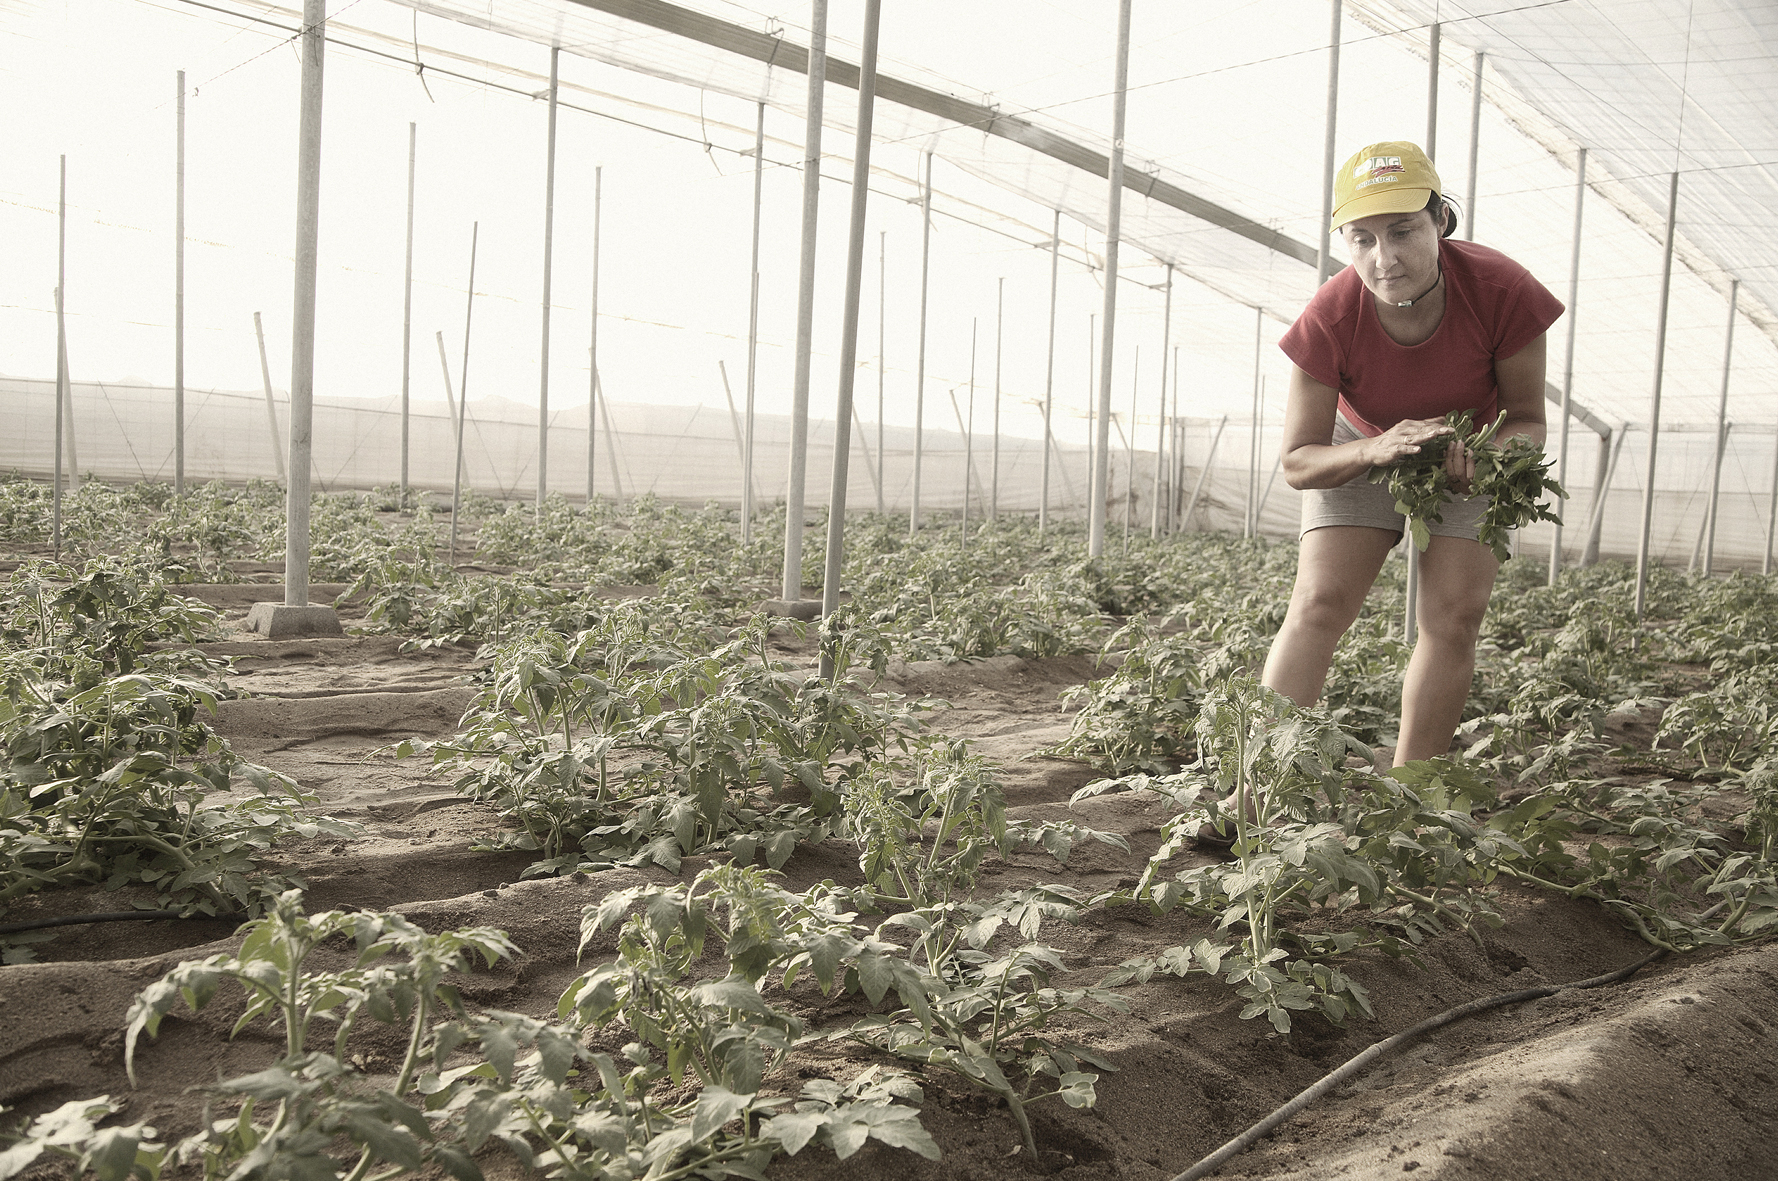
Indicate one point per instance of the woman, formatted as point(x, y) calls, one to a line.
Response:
point(1418, 325)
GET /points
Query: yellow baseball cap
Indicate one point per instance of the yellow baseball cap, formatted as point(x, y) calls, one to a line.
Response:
point(1392, 177)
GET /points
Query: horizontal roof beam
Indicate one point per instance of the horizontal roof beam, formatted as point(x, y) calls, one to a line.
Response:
point(776, 52)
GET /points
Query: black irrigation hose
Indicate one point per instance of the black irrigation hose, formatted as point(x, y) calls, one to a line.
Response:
point(1356, 1065)
point(116, 916)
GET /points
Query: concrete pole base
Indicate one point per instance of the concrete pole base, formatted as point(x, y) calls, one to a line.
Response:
point(279, 621)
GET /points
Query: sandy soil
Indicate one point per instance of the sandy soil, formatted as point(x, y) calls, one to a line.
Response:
point(1669, 1075)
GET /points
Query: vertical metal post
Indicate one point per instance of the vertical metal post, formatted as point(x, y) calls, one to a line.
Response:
point(1248, 525)
point(805, 309)
point(842, 420)
point(302, 318)
point(1580, 193)
point(1596, 515)
point(1722, 432)
point(1410, 614)
point(1432, 59)
point(994, 479)
point(1324, 252)
point(617, 484)
point(549, 229)
point(1654, 412)
point(1160, 422)
point(920, 358)
point(747, 505)
point(882, 356)
point(740, 435)
point(1130, 444)
point(463, 393)
point(1765, 566)
point(407, 322)
point(592, 381)
point(55, 499)
point(969, 429)
point(1176, 441)
point(179, 296)
point(1113, 228)
point(1049, 380)
point(1475, 143)
point(271, 408)
point(1092, 404)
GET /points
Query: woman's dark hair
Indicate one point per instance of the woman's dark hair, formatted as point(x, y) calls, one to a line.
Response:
point(1445, 214)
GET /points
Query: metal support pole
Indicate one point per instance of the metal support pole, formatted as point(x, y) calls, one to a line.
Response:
point(463, 393)
point(920, 357)
point(1771, 510)
point(1580, 193)
point(969, 424)
point(747, 497)
point(994, 479)
point(882, 355)
point(1113, 227)
point(179, 297)
point(617, 484)
point(592, 381)
point(842, 419)
point(1722, 432)
point(271, 407)
point(1432, 93)
point(1049, 380)
point(445, 366)
point(1324, 252)
point(734, 420)
point(1160, 427)
point(1475, 142)
point(1248, 526)
point(805, 310)
point(302, 318)
point(1654, 411)
point(1130, 445)
point(55, 509)
point(1176, 441)
point(1092, 405)
point(1410, 613)
point(1203, 472)
point(549, 229)
point(1596, 515)
point(407, 323)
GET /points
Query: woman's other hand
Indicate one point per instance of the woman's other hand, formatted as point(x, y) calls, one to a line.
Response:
point(1460, 469)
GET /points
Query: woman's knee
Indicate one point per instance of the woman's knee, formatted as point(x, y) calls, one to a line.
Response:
point(1454, 617)
point(1325, 606)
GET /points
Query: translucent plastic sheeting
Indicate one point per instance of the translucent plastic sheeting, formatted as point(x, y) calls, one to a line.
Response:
point(718, 47)
point(688, 454)
point(1648, 87)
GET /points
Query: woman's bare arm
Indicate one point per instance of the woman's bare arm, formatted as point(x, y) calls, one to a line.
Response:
point(1310, 458)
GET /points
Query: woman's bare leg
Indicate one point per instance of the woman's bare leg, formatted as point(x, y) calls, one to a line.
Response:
point(1456, 578)
point(1335, 569)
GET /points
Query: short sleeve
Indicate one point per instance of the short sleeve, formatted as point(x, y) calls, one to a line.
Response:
point(1526, 314)
point(1312, 343)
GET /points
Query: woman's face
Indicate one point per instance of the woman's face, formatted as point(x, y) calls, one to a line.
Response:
point(1395, 254)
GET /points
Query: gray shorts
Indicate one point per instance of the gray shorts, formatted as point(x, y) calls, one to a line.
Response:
point(1360, 502)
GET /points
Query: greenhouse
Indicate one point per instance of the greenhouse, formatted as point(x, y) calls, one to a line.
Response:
point(689, 588)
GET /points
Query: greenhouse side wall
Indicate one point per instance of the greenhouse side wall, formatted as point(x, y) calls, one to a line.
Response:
point(689, 454)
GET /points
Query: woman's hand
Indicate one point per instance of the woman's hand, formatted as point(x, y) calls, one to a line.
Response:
point(1460, 469)
point(1406, 438)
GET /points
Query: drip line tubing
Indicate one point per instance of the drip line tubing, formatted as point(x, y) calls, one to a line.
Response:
point(116, 916)
point(1388, 1045)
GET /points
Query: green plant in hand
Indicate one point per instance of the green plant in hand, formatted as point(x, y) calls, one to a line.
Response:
point(1513, 475)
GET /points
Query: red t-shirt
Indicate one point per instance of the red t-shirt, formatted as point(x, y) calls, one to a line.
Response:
point(1493, 308)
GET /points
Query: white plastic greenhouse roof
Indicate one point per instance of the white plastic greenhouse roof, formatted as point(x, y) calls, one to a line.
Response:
point(1225, 142)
